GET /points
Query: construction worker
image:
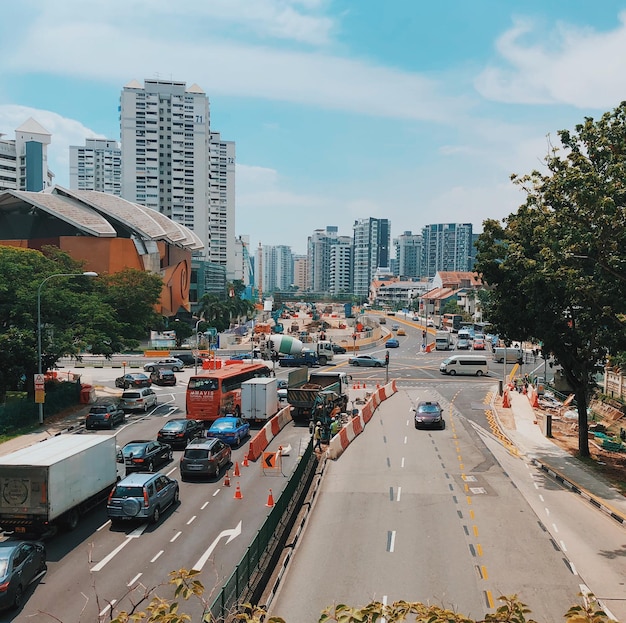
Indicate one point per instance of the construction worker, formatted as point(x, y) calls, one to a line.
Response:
point(335, 426)
point(317, 435)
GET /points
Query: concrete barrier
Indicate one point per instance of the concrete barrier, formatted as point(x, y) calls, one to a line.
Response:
point(262, 439)
point(356, 425)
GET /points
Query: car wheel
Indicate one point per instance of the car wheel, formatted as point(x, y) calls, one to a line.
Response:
point(17, 598)
point(443, 424)
point(175, 369)
point(156, 515)
point(150, 369)
point(176, 500)
point(151, 466)
point(379, 365)
point(479, 373)
point(452, 372)
point(71, 521)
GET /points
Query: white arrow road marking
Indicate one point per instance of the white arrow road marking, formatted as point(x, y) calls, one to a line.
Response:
point(231, 534)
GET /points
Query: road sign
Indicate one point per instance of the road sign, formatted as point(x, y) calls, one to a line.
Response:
point(40, 396)
point(40, 379)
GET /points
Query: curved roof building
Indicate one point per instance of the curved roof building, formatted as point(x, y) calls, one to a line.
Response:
point(106, 231)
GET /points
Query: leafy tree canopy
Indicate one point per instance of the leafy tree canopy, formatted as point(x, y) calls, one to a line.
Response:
point(557, 267)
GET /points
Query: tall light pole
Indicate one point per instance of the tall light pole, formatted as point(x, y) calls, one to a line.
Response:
point(39, 353)
point(197, 346)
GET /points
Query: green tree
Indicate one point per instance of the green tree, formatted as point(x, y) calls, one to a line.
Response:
point(557, 267)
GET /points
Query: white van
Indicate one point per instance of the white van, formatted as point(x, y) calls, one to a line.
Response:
point(513, 355)
point(465, 364)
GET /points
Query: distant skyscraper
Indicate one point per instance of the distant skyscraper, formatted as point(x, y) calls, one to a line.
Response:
point(96, 166)
point(173, 163)
point(318, 253)
point(372, 238)
point(300, 271)
point(446, 247)
point(24, 161)
point(341, 266)
point(408, 255)
point(277, 267)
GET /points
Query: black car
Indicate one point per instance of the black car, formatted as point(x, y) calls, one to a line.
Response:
point(162, 377)
point(188, 359)
point(204, 457)
point(180, 431)
point(144, 455)
point(21, 563)
point(429, 414)
point(104, 416)
point(338, 350)
point(133, 379)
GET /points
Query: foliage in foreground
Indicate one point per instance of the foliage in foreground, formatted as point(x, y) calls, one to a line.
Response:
point(510, 610)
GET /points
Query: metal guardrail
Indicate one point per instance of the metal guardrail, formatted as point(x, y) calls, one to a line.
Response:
point(248, 580)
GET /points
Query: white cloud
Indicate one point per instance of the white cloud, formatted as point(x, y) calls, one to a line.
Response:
point(575, 66)
point(64, 131)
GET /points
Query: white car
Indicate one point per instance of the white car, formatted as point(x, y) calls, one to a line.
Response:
point(140, 399)
point(171, 362)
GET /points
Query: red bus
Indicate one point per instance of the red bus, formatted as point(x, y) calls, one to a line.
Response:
point(215, 393)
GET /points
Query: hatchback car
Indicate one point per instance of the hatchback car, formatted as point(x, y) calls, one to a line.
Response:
point(429, 414)
point(140, 399)
point(162, 377)
point(171, 363)
point(392, 343)
point(366, 360)
point(401, 331)
point(133, 379)
point(144, 455)
point(204, 457)
point(180, 431)
point(142, 496)
point(338, 350)
point(231, 430)
point(104, 416)
point(21, 563)
point(479, 343)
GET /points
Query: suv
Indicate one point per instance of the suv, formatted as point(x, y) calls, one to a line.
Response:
point(104, 416)
point(163, 376)
point(180, 431)
point(188, 359)
point(138, 399)
point(204, 457)
point(142, 496)
point(171, 362)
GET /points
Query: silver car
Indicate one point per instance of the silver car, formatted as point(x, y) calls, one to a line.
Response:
point(170, 362)
point(140, 399)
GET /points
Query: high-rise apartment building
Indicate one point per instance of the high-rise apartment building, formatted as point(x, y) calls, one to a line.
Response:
point(173, 163)
point(341, 266)
point(276, 268)
point(447, 247)
point(96, 166)
point(300, 272)
point(408, 261)
point(318, 254)
point(372, 239)
point(24, 161)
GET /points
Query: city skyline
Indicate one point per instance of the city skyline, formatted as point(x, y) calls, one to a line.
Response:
point(340, 111)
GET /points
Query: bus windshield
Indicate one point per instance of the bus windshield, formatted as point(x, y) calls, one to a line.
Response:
point(203, 383)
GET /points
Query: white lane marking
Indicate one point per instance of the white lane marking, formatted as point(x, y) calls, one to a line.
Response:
point(133, 535)
point(547, 511)
point(204, 505)
point(134, 579)
point(571, 564)
point(192, 519)
point(562, 544)
point(541, 498)
point(231, 534)
point(175, 536)
point(399, 494)
point(555, 528)
point(170, 472)
point(103, 526)
point(406, 439)
point(216, 492)
point(392, 541)
point(157, 556)
point(402, 462)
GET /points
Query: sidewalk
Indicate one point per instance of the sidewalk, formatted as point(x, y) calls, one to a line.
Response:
point(526, 435)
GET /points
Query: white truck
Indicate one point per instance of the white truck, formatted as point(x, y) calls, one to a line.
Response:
point(259, 399)
point(443, 340)
point(325, 352)
point(49, 484)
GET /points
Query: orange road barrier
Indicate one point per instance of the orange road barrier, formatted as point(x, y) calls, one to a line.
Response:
point(226, 480)
point(236, 472)
point(270, 499)
point(238, 495)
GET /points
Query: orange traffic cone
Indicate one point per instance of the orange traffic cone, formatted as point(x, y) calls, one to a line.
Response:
point(238, 495)
point(364, 386)
point(535, 400)
point(236, 472)
point(506, 403)
point(270, 499)
point(226, 480)
point(245, 461)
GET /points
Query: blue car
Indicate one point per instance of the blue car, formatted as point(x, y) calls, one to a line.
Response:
point(231, 430)
point(392, 343)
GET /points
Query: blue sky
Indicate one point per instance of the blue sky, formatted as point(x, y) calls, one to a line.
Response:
point(402, 109)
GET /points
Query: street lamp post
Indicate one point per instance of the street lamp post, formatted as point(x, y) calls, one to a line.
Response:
point(39, 350)
point(197, 346)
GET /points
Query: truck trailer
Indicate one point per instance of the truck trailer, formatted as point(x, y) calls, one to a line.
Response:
point(443, 340)
point(259, 399)
point(49, 484)
point(321, 389)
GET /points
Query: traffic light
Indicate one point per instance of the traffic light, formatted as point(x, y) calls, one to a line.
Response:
point(387, 358)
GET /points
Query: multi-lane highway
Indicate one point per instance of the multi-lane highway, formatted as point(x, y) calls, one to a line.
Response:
point(98, 568)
